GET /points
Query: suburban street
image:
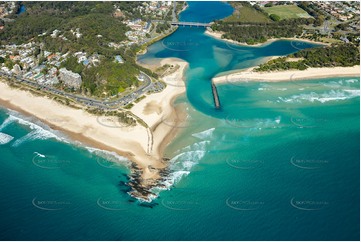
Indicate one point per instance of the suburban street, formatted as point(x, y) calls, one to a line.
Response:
point(106, 105)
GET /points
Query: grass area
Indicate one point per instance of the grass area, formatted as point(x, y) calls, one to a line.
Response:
point(330, 40)
point(287, 11)
point(243, 13)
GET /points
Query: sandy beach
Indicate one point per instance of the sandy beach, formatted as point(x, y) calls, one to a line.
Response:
point(132, 142)
point(157, 107)
point(218, 35)
point(290, 75)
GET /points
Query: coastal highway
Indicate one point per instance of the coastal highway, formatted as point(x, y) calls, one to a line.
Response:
point(90, 102)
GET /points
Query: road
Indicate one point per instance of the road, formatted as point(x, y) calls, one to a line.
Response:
point(90, 102)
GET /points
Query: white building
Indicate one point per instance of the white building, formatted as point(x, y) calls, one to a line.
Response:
point(16, 69)
point(70, 78)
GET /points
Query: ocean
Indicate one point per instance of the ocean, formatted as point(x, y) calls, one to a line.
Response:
point(278, 161)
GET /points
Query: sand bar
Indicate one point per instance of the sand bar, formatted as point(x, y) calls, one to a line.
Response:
point(249, 75)
point(218, 35)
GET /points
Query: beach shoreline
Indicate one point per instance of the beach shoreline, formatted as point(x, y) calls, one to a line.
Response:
point(249, 75)
point(131, 142)
point(218, 35)
point(157, 107)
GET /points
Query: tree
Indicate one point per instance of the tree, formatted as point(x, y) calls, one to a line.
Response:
point(275, 17)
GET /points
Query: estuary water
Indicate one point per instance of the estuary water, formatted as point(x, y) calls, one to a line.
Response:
point(278, 161)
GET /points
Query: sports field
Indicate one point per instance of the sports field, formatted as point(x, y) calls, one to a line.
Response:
point(287, 11)
point(246, 14)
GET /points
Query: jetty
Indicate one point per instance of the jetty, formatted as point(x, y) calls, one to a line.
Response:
point(217, 103)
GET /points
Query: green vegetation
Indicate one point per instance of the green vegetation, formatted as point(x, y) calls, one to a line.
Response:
point(161, 27)
point(275, 17)
point(129, 106)
point(8, 63)
point(287, 11)
point(109, 78)
point(331, 56)
point(252, 33)
point(97, 26)
point(42, 17)
point(253, 24)
point(244, 12)
point(139, 99)
point(123, 117)
point(72, 64)
point(312, 10)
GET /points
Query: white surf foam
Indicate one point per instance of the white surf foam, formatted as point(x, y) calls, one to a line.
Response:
point(352, 81)
point(5, 138)
point(267, 87)
point(196, 146)
point(40, 155)
point(110, 156)
point(39, 131)
point(6, 122)
point(37, 134)
point(333, 95)
point(206, 134)
point(181, 165)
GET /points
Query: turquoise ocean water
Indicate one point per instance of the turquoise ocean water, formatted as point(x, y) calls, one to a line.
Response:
point(279, 161)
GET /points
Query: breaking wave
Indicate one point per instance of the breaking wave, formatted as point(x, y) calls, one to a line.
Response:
point(110, 156)
point(204, 134)
point(39, 131)
point(5, 138)
point(333, 95)
point(181, 165)
point(6, 122)
point(38, 134)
